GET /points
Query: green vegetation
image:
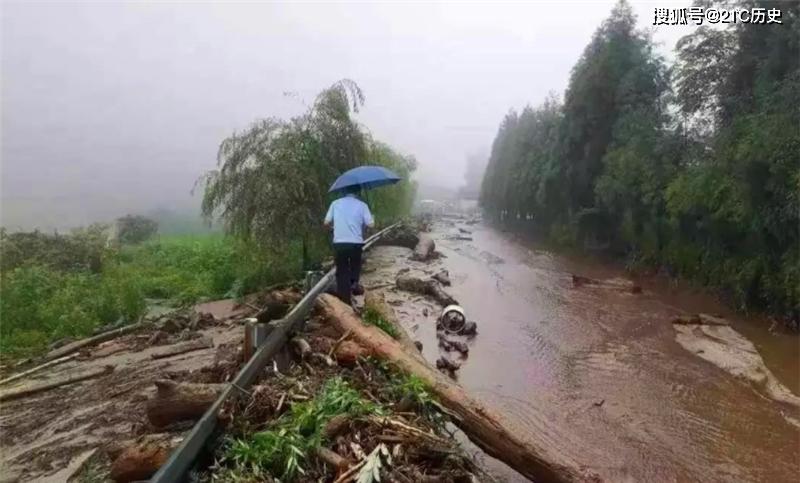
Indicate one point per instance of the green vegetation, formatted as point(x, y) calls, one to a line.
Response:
point(135, 229)
point(273, 179)
point(374, 317)
point(694, 169)
point(284, 447)
point(49, 290)
point(271, 194)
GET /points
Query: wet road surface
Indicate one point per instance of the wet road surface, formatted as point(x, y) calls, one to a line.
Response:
point(597, 375)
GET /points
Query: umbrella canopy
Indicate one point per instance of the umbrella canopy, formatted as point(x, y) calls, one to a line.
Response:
point(366, 177)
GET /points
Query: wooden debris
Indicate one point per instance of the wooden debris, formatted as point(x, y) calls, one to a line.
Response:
point(430, 288)
point(109, 348)
point(38, 368)
point(28, 391)
point(336, 426)
point(182, 348)
point(424, 249)
point(157, 337)
point(485, 428)
point(403, 236)
point(141, 459)
point(332, 458)
point(276, 304)
point(78, 345)
point(301, 347)
point(180, 401)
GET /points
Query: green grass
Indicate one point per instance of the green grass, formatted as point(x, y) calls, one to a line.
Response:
point(373, 317)
point(41, 302)
point(284, 448)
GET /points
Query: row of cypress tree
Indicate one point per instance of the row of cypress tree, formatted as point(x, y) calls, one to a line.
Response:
point(692, 167)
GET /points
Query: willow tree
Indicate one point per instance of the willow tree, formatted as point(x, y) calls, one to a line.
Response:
point(271, 184)
point(272, 179)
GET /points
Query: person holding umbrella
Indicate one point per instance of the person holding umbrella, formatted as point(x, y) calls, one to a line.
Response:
point(349, 216)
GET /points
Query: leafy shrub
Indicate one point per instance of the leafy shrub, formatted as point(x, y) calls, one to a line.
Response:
point(39, 305)
point(132, 229)
point(83, 249)
point(283, 449)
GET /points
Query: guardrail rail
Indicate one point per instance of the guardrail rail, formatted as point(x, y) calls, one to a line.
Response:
point(184, 456)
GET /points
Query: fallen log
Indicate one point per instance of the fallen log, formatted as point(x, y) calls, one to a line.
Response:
point(180, 401)
point(109, 348)
point(38, 368)
point(276, 304)
point(430, 288)
point(143, 457)
point(28, 391)
point(424, 249)
point(377, 303)
point(80, 344)
point(403, 236)
point(192, 345)
point(332, 458)
point(485, 428)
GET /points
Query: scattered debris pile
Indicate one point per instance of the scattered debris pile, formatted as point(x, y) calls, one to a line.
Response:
point(122, 389)
point(333, 418)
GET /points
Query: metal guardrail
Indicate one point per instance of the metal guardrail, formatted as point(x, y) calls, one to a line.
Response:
point(181, 460)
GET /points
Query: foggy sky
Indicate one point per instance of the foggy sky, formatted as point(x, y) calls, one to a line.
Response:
point(110, 108)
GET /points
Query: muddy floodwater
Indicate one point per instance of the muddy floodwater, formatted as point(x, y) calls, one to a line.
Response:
point(599, 376)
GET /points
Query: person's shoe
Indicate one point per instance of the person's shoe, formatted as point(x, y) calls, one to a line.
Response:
point(358, 289)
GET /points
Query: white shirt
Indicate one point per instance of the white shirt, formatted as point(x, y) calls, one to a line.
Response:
point(349, 216)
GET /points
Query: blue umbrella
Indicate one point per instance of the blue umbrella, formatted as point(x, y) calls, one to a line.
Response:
point(366, 177)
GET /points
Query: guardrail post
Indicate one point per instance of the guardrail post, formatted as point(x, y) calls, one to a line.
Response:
point(248, 344)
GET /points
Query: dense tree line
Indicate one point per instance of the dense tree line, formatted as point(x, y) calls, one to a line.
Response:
point(693, 167)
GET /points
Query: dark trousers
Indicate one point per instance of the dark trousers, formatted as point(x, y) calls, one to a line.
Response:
point(348, 268)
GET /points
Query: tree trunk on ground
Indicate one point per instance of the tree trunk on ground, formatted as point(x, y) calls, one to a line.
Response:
point(142, 458)
point(403, 236)
point(184, 347)
point(28, 391)
point(424, 249)
point(38, 368)
point(180, 401)
point(80, 344)
point(480, 423)
point(430, 288)
point(277, 304)
point(377, 303)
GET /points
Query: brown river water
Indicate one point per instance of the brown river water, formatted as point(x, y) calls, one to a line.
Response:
point(597, 376)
